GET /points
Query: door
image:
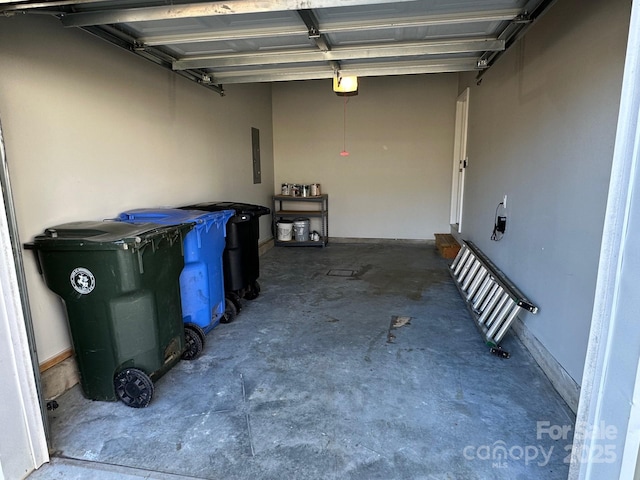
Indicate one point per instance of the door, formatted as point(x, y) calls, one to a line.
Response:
point(460, 160)
point(23, 445)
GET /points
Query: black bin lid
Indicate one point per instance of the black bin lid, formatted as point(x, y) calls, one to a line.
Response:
point(241, 209)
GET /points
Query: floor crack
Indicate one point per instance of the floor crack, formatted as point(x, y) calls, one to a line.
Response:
point(247, 417)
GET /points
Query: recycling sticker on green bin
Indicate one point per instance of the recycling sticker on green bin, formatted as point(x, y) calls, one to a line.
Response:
point(82, 280)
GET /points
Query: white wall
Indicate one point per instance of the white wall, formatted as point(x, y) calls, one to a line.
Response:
point(541, 130)
point(396, 181)
point(92, 130)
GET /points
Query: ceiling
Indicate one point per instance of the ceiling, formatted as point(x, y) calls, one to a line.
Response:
point(248, 41)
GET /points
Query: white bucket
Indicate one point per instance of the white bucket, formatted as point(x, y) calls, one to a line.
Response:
point(301, 229)
point(285, 230)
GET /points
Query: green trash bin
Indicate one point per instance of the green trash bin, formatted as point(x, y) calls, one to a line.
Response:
point(120, 285)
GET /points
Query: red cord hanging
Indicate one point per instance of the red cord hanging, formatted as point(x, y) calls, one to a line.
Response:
point(344, 152)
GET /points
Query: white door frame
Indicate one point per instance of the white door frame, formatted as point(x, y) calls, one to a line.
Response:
point(23, 443)
point(460, 159)
point(607, 437)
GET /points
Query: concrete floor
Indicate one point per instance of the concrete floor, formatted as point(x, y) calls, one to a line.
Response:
point(315, 381)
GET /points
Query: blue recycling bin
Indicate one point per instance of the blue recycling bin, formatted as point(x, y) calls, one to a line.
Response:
point(201, 280)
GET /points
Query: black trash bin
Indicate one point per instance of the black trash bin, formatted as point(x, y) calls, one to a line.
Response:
point(241, 264)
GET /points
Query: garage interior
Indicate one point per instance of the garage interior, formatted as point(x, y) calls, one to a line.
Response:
point(356, 361)
point(90, 130)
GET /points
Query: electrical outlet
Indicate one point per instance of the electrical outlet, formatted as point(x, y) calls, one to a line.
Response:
point(504, 201)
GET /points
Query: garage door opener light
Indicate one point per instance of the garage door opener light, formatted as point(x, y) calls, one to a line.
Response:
point(345, 86)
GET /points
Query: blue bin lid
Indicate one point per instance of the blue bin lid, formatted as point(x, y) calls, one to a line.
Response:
point(175, 216)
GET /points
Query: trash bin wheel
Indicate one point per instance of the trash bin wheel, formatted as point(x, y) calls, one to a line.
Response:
point(235, 298)
point(133, 387)
point(230, 311)
point(253, 291)
point(194, 339)
point(200, 332)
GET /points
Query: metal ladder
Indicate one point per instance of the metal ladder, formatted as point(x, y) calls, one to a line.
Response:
point(494, 302)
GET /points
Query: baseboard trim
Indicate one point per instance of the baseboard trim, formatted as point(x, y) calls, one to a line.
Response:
point(53, 361)
point(384, 241)
point(565, 385)
point(59, 378)
point(265, 246)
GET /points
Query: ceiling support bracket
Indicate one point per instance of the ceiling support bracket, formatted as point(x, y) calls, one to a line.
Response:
point(522, 19)
point(313, 28)
point(314, 32)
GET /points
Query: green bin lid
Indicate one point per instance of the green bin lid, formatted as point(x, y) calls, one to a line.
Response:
point(104, 235)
